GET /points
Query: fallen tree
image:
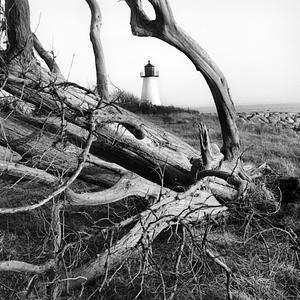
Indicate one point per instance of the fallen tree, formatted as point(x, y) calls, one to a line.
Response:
point(61, 130)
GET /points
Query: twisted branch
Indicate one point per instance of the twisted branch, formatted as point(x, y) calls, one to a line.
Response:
point(96, 23)
point(48, 59)
point(165, 28)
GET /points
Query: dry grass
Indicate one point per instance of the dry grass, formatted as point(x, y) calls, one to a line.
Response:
point(255, 243)
point(263, 143)
point(260, 246)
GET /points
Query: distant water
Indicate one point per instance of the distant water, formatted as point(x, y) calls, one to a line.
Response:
point(284, 107)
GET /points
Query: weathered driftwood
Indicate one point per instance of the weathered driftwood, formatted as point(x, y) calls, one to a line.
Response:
point(158, 148)
point(189, 207)
point(49, 122)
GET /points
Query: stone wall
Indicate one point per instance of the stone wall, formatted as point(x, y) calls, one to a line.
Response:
point(284, 120)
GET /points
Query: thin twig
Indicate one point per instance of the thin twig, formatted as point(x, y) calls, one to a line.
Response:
point(176, 268)
point(225, 268)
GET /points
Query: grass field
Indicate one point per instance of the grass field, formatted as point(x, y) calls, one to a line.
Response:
point(261, 143)
point(260, 246)
point(253, 241)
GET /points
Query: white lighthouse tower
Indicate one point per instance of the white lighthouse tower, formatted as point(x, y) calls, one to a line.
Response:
point(150, 89)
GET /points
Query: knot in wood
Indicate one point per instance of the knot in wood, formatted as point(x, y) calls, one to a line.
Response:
point(197, 166)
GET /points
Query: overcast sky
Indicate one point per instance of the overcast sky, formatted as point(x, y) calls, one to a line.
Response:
point(255, 43)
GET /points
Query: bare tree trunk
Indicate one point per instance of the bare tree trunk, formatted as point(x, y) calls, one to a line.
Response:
point(158, 149)
point(19, 33)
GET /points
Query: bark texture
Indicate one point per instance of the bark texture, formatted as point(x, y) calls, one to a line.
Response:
point(17, 14)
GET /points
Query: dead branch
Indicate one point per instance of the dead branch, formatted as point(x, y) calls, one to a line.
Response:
point(48, 59)
point(156, 149)
point(130, 184)
point(56, 228)
point(228, 271)
point(21, 171)
point(165, 28)
point(226, 176)
point(63, 186)
point(210, 160)
point(187, 207)
point(96, 23)
point(176, 268)
point(19, 266)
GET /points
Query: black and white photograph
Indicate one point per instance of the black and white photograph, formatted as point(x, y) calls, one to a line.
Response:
point(149, 149)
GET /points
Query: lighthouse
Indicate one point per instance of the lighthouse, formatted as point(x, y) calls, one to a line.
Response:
point(150, 89)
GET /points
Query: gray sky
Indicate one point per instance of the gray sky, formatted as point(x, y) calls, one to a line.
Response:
point(255, 43)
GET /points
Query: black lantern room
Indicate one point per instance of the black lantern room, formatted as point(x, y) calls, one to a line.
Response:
point(149, 71)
